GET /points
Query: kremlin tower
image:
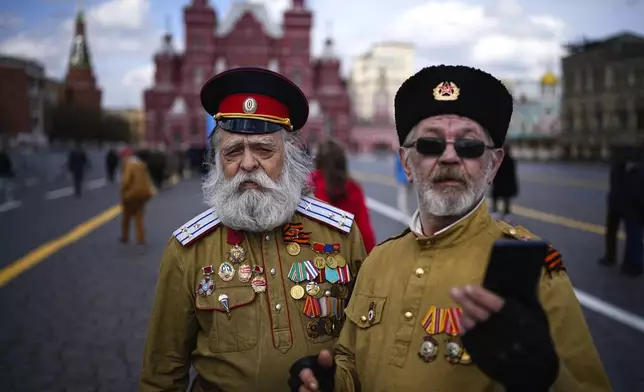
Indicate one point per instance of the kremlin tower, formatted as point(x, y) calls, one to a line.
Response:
point(80, 82)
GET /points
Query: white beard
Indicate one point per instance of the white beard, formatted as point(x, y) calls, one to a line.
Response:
point(451, 201)
point(256, 210)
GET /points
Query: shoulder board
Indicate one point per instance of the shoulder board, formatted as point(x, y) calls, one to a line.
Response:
point(197, 227)
point(553, 261)
point(326, 213)
point(404, 233)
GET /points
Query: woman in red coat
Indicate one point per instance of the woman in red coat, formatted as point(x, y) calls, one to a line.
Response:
point(331, 183)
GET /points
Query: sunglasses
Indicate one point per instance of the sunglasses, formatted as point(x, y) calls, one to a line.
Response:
point(465, 148)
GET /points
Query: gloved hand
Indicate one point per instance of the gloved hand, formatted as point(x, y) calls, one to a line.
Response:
point(313, 373)
point(514, 347)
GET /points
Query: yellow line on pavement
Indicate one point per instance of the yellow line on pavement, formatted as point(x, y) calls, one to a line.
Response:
point(516, 209)
point(42, 252)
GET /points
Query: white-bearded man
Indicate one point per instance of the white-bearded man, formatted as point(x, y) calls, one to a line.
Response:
point(262, 277)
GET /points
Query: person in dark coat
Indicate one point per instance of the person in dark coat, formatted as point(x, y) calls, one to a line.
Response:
point(77, 164)
point(505, 185)
point(614, 206)
point(633, 264)
point(111, 162)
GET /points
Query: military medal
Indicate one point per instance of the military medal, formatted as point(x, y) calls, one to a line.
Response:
point(320, 262)
point(340, 260)
point(312, 289)
point(297, 292)
point(245, 272)
point(295, 238)
point(454, 351)
point(226, 271)
point(236, 254)
point(428, 349)
point(223, 300)
point(206, 285)
point(331, 262)
point(433, 323)
point(312, 329)
point(293, 248)
point(312, 307)
point(259, 284)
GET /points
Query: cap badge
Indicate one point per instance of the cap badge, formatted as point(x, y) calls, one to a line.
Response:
point(446, 91)
point(250, 105)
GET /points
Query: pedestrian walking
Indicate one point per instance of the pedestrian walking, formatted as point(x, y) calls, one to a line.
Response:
point(136, 191)
point(261, 277)
point(405, 188)
point(419, 320)
point(331, 183)
point(77, 164)
point(111, 163)
point(505, 185)
point(7, 175)
point(633, 264)
point(615, 205)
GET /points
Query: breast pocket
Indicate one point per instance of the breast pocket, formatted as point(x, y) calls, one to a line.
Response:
point(366, 312)
point(234, 332)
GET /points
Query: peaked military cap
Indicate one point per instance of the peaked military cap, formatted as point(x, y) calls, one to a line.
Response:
point(460, 90)
point(254, 100)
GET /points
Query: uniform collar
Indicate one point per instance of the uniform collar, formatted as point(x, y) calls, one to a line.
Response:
point(468, 225)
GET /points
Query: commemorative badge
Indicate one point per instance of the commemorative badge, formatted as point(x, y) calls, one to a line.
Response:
point(226, 271)
point(259, 284)
point(245, 273)
point(371, 314)
point(223, 300)
point(206, 285)
point(237, 254)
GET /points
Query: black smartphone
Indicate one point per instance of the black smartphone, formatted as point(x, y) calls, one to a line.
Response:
point(514, 269)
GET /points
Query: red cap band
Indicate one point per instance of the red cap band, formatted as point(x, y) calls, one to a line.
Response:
point(253, 104)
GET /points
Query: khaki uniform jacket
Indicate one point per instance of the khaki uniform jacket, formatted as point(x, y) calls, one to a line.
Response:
point(403, 277)
point(135, 183)
point(253, 347)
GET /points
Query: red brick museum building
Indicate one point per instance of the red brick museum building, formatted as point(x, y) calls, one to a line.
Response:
point(244, 37)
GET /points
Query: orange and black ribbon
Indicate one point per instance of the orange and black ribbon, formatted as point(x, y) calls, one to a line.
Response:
point(294, 232)
point(553, 261)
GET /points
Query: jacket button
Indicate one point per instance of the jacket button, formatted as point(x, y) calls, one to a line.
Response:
point(420, 272)
point(267, 238)
point(278, 307)
point(408, 315)
point(363, 319)
point(273, 271)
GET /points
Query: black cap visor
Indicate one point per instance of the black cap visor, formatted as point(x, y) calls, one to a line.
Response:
point(249, 126)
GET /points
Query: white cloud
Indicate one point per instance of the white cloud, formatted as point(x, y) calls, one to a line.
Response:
point(499, 37)
point(121, 44)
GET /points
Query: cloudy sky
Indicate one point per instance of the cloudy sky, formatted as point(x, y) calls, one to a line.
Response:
point(510, 38)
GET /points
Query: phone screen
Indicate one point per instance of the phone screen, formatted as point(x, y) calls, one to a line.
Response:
point(515, 268)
